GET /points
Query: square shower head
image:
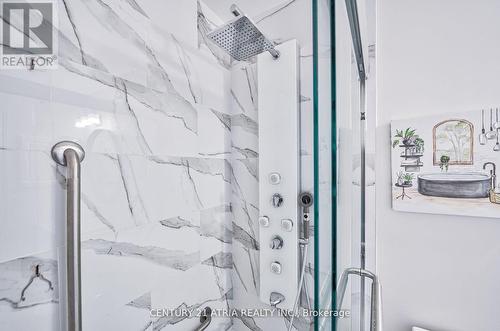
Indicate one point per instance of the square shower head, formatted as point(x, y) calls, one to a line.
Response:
point(241, 38)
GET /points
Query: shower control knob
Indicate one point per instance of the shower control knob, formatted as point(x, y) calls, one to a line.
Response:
point(274, 178)
point(264, 221)
point(276, 268)
point(277, 200)
point(276, 242)
point(287, 225)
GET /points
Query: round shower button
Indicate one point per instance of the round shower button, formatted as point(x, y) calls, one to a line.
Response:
point(274, 178)
point(276, 267)
point(287, 225)
point(264, 221)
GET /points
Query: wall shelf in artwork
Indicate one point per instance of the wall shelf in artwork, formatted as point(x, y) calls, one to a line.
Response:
point(420, 164)
point(411, 155)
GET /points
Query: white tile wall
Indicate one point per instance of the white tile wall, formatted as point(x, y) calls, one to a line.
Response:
point(153, 114)
point(170, 179)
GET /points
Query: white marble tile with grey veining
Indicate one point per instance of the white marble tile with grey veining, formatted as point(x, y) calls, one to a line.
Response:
point(245, 213)
point(177, 77)
point(114, 279)
point(244, 198)
point(139, 121)
point(195, 73)
point(29, 293)
point(216, 223)
point(214, 133)
point(277, 24)
point(173, 17)
point(133, 316)
point(140, 190)
point(244, 89)
point(207, 21)
point(244, 119)
point(164, 257)
point(208, 285)
point(27, 122)
point(29, 178)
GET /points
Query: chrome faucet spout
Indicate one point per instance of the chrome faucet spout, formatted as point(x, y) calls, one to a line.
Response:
point(492, 164)
point(493, 173)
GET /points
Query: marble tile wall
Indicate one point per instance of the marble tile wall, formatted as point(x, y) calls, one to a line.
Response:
point(170, 179)
point(151, 107)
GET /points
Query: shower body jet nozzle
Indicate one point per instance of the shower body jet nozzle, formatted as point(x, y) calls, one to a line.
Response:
point(276, 298)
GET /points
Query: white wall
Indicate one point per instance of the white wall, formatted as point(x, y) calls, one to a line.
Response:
point(441, 272)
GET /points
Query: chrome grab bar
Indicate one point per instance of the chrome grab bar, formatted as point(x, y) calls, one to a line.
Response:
point(205, 319)
point(376, 298)
point(70, 155)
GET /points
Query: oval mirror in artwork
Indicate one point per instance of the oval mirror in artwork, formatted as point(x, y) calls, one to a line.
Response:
point(453, 142)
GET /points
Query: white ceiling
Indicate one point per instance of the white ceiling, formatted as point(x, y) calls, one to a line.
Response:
point(253, 8)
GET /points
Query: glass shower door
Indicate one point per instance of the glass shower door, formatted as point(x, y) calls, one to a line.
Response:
point(347, 252)
point(324, 162)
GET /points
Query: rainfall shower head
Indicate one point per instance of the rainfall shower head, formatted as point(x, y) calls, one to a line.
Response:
point(241, 38)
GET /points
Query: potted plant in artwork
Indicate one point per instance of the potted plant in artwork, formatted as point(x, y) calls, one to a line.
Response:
point(399, 177)
point(419, 144)
point(406, 137)
point(408, 178)
point(412, 149)
point(444, 162)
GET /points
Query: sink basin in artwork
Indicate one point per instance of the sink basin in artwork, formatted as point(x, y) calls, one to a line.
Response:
point(455, 184)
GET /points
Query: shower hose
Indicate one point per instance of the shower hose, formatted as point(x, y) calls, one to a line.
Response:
point(301, 283)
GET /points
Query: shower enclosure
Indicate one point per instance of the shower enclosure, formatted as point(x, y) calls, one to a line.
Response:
point(358, 287)
point(150, 176)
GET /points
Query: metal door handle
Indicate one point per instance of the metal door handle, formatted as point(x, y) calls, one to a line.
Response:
point(376, 298)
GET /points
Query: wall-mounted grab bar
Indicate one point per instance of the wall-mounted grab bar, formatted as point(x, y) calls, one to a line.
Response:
point(70, 155)
point(376, 299)
point(205, 319)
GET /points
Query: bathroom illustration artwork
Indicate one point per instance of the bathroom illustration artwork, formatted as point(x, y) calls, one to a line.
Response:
point(447, 164)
